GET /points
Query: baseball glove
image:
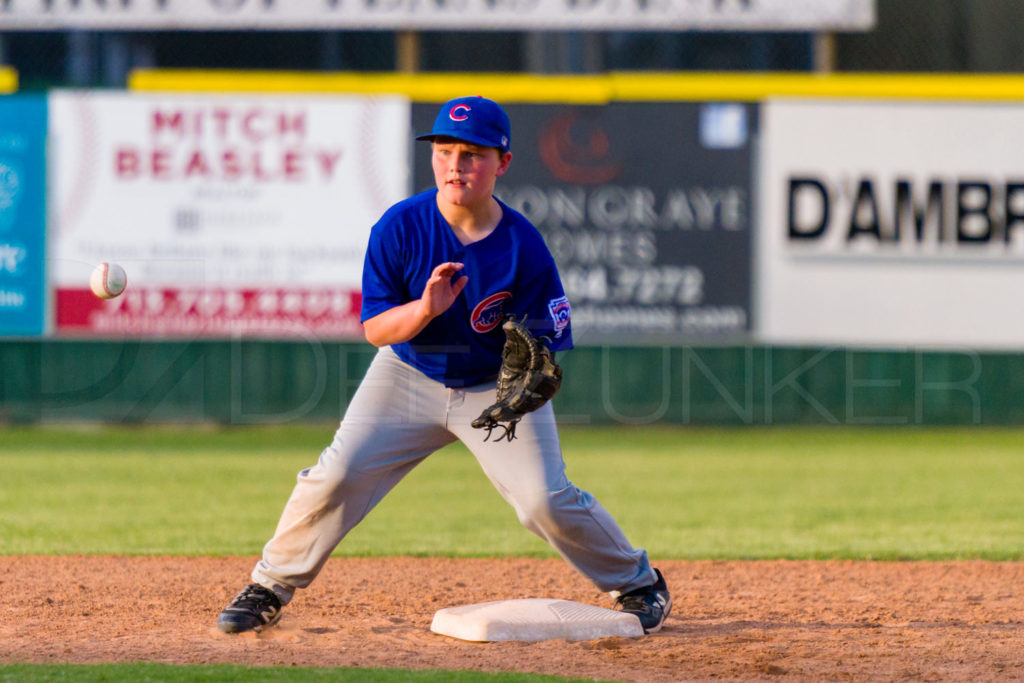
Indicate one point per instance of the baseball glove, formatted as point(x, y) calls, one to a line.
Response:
point(528, 378)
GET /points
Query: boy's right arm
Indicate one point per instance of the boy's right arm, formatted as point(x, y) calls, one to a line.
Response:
point(403, 322)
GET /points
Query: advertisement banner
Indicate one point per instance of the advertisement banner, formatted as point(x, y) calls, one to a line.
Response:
point(22, 215)
point(231, 215)
point(646, 209)
point(892, 224)
point(501, 15)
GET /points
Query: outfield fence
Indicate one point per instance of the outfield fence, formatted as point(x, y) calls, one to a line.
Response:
point(255, 382)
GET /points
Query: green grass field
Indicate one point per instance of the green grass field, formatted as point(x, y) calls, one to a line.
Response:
point(683, 493)
point(167, 673)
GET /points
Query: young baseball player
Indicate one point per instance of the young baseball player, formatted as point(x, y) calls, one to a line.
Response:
point(442, 271)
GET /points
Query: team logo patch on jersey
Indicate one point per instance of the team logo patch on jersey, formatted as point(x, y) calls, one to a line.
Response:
point(489, 313)
point(560, 312)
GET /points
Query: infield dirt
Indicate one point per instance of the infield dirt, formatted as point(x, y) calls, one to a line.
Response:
point(732, 620)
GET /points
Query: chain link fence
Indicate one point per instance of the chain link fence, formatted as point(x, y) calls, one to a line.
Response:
point(938, 36)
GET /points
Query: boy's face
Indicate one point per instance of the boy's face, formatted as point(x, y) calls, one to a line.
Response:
point(465, 173)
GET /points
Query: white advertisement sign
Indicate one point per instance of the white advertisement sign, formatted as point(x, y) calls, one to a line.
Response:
point(595, 15)
point(240, 214)
point(892, 224)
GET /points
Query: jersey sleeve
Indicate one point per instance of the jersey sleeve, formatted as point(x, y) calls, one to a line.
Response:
point(383, 281)
point(547, 308)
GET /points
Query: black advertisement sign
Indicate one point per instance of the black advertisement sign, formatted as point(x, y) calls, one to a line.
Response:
point(646, 208)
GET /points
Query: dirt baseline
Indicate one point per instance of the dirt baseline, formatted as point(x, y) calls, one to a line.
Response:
point(731, 620)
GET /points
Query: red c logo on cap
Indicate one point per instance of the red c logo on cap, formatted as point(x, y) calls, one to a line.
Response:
point(455, 116)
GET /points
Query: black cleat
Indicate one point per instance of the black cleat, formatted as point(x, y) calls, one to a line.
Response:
point(251, 610)
point(651, 604)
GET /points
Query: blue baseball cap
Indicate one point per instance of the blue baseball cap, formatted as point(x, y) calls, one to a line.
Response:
point(473, 119)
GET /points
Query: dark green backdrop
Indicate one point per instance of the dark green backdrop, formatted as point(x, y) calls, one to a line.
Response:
point(250, 382)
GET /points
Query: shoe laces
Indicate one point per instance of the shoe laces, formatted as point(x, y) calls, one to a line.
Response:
point(638, 601)
point(255, 595)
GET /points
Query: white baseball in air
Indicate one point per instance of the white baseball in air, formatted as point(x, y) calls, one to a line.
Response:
point(108, 280)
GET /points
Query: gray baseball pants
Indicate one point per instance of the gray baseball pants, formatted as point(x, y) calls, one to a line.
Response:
point(397, 417)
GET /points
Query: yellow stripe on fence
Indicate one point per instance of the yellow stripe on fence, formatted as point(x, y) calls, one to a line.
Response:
point(8, 80)
point(426, 87)
point(760, 86)
point(594, 89)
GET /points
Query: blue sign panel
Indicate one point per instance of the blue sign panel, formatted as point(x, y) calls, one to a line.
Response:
point(22, 214)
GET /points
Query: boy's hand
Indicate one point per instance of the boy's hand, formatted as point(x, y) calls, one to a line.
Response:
point(440, 291)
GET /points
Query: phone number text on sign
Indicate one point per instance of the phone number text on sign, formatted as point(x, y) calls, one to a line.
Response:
point(648, 285)
point(214, 312)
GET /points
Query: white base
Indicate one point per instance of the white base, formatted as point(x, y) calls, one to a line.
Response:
point(533, 620)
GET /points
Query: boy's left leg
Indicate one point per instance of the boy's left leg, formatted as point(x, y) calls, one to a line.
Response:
point(529, 473)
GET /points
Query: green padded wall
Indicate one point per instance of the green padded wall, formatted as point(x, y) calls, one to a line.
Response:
point(250, 382)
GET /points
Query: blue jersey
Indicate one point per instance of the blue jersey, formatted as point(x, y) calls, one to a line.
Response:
point(510, 271)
